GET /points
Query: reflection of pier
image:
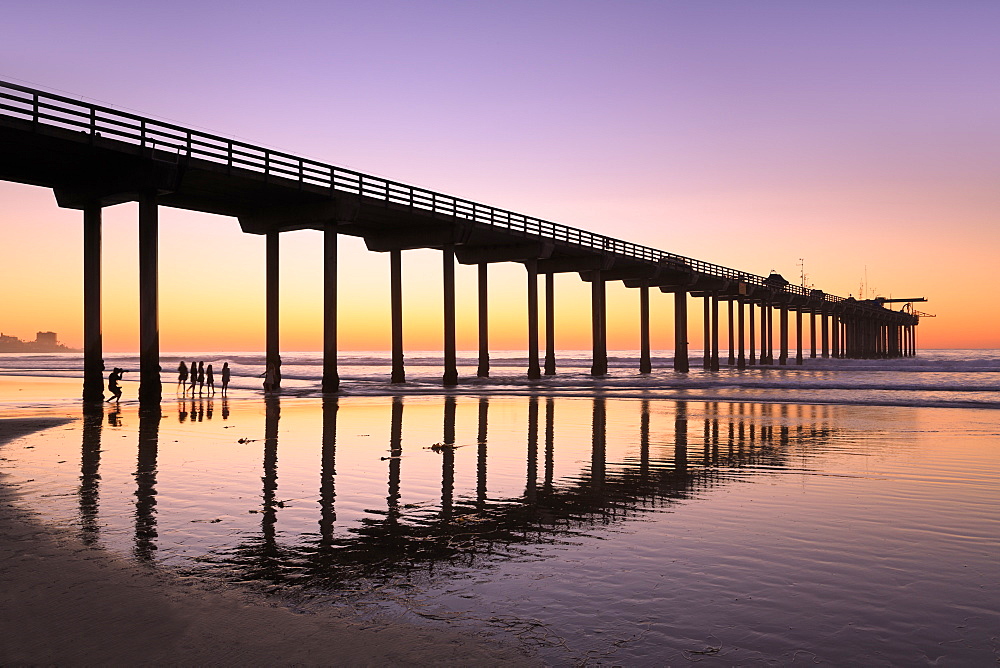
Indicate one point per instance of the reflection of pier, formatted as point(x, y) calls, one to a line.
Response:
point(94, 156)
point(691, 456)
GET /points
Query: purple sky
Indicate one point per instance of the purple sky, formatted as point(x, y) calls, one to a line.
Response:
point(853, 134)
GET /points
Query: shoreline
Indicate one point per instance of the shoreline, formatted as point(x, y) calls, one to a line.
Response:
point(70, 604)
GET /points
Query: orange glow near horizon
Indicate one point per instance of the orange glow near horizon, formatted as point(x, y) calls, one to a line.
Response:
point(212, 291)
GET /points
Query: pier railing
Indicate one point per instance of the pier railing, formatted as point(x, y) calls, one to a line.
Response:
point(96, 121)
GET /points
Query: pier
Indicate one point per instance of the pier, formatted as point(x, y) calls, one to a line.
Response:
point(93, 156)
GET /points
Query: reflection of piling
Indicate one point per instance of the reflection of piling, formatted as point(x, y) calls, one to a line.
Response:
point(549, 441)
point(90, 478)
point(532, 472)
point(328, 470)
point(484, 407)
point(145, 479)
point(448, 460)
point(395, 453)
point(599, 443)
point(269, 496)
point(644, 439)
point(680, 437)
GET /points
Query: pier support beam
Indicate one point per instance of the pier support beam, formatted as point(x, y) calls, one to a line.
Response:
point(331, 375)
point(681, 363)
point(824, 320)
point(834, 336)
point(450, 377)
point(798, 338)
point(149, 328)
point(599, 367)
point(782, 335)
point(765, 333)
point(741, 360)
point(396, 306)
point(753, 342)
point(550, 324)
point(271, 317)
point(715, 332)
point(812, 334)
point(483, 370)
point(706, 338)
point(645, 363)
point(93, 348)
point(534, 371)
point(732, 340)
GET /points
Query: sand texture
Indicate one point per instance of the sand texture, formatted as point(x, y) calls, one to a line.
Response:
point(65, 603)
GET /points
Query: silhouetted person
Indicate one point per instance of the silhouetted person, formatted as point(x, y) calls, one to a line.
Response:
point(182, 376)
point(194, 376)
point(210, 379)
point(225, 377)
point(201, 377)
point(270, 378)
point(113, 387)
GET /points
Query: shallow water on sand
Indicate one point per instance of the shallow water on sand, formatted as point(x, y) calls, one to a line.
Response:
point(627, 531)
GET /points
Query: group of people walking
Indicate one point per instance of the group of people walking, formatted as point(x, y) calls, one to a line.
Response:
point(201, 376)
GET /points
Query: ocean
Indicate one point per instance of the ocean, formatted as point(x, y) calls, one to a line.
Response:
point(843, 512)
point(954, 378)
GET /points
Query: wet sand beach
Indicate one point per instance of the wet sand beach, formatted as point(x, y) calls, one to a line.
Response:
point(479, 529)
point(66, 603)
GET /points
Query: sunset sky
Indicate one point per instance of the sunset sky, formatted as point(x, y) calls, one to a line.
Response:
point(862, 138)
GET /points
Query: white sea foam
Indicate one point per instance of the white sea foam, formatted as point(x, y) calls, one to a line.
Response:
point(933, 378)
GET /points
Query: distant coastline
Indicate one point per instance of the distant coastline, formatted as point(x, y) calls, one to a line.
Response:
point(45, 342)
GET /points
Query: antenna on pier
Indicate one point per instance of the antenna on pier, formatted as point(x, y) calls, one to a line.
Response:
point(803, 276)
